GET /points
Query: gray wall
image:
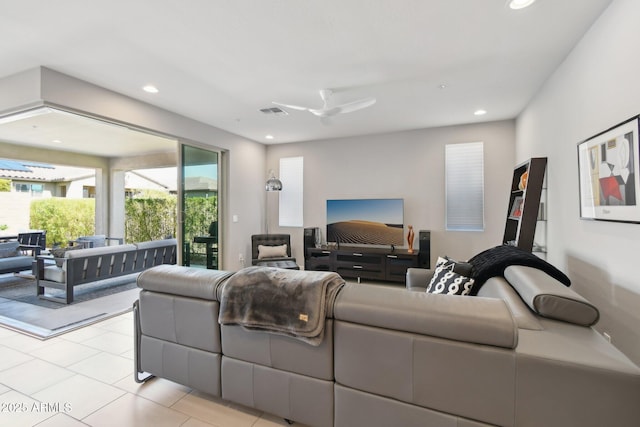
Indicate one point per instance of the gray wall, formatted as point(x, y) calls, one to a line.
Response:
point(408, 165)
point(595, 88)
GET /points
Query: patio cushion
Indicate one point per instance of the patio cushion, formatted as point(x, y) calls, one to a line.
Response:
point(99, 251)
point(55, 274)
point(155, 243)
point(9, 249)
point(22, 261)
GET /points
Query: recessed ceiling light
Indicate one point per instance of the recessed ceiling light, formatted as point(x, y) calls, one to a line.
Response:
point(57, 141)
point(520, 4)
point(268, 136)
point(150, 89)
point(480, 112)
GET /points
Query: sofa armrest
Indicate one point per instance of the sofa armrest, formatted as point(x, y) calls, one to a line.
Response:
point(549, 298)
point(418, 279)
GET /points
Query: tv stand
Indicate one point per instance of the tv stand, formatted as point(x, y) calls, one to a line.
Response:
point(363, 263)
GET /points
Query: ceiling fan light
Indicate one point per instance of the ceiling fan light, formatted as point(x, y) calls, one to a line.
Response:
point(150, 89)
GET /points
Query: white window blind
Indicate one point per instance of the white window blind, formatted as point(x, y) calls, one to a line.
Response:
point(291, 173)
point(464, 164)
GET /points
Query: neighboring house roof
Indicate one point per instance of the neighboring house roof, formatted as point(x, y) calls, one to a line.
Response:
point(200, 183)
point(166, 177)
point(32, 171)
point(144, 179)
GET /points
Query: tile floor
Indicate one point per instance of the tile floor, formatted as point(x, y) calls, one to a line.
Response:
point(85, 378)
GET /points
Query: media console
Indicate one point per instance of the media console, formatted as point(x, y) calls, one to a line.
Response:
point(362, 263)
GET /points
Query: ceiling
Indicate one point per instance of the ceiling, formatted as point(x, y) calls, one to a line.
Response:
point(427, 62)
point(59, 130)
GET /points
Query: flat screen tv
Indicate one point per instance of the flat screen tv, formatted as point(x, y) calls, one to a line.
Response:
point(366, 221)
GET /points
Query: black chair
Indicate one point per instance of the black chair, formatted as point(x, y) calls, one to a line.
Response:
point(267, 250)
point(34, 241)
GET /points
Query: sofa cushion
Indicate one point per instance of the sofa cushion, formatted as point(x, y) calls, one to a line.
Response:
point(446, 281)
point(279, 251)
point(54, 273)
point(478, 320)
point(99, 251)
point(550, 298)
point(9, 249)
point(151, 244)
point(16, 263)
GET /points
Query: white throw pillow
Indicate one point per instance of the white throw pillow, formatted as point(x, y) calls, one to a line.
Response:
point(272, 251)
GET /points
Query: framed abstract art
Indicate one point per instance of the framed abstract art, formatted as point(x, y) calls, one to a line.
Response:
point(608, 169)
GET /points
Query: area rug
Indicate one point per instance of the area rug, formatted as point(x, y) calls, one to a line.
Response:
point(21, 310)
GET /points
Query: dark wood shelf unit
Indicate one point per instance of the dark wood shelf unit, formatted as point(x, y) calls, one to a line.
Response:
point(363, 263)
point(524, 204)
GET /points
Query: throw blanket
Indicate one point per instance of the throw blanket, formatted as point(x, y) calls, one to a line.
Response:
point(493, 262)
point(286, 302)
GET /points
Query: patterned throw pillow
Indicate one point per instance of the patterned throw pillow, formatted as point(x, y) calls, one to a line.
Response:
point(447, 281)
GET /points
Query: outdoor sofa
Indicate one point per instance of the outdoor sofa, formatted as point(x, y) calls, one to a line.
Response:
point(521, 353)
point(86, 265)
point(18, 255)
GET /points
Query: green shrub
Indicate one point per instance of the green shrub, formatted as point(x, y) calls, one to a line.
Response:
point(198, 214)
point(149, 219)
point(5, 185)
point(63, 219)
point(156, 217)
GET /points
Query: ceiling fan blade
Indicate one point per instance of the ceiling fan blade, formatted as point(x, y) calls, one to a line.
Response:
point(293, 107)
point(354, 105)
point(328, 111)
point(324, 112)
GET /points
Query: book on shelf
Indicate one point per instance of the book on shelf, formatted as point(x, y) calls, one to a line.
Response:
point(516, 208)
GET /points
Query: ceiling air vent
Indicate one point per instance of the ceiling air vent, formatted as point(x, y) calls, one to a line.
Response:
point(274, 110)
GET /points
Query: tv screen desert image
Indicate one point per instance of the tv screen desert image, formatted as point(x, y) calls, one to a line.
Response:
point(366, 221)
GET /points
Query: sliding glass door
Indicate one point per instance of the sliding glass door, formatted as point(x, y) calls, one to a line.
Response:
point(200, 179)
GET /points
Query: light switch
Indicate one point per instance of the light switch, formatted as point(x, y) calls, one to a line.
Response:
point(235, 218)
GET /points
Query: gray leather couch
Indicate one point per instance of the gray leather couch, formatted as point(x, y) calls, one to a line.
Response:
point(522, 353)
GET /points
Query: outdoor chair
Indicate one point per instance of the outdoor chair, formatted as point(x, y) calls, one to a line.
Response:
point(33, 239)
point(95, 241)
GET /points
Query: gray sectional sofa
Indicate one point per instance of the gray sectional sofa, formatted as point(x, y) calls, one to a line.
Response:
point(521, 353)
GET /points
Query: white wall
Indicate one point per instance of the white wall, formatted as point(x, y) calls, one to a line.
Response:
point(597, 87)
point(14, 212)
point(408, 165)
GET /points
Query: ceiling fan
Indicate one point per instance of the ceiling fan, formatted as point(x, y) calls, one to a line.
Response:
point(327, 109)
